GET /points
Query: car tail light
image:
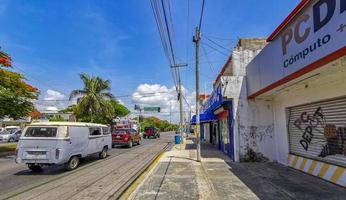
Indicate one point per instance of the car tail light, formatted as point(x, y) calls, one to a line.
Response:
point(57, 153)
point(126, 136)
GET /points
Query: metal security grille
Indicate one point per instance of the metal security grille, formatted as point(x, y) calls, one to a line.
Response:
point(318, 130)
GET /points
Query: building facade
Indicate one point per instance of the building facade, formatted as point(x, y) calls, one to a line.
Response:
point(218, 119)
point(294, 102)
point(284, 98)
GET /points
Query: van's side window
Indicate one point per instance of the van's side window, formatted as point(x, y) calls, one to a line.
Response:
point(106, 131)
point(95, 131)
point(41, 132)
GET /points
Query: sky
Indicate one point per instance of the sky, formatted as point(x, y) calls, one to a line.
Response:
point(52, 42)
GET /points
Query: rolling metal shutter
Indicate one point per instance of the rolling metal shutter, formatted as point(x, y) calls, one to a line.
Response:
point(318, 131)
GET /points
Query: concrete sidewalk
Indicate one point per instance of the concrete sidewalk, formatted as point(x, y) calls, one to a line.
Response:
point(178, 176)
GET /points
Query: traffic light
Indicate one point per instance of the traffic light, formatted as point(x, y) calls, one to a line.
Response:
point(137, 107)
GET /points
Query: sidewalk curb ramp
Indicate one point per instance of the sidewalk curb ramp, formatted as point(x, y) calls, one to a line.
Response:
point(125, 192)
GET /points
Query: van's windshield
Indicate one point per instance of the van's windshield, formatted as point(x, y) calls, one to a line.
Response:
point(41, 132)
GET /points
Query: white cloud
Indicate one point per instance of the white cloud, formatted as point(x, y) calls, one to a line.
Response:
point(52, 108)
point(52, 101)
point(163, 97)
point(121, 102)
point(53, 95)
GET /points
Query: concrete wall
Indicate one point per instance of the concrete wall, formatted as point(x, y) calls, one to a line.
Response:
point(256, 128)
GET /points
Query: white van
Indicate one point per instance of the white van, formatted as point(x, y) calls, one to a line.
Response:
point(48, 143)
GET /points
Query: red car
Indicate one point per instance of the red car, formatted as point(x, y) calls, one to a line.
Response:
point(127, 137)
point(151, 132)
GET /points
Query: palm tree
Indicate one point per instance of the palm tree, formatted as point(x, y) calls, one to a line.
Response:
point(93, 96)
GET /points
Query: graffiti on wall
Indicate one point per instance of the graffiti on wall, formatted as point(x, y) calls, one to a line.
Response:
point(315, 131)
point(254, 135)
point(311, 123)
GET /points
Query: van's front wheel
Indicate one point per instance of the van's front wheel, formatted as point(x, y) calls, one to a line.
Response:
point(72, 163)
point(103, 153)
point(35, 168)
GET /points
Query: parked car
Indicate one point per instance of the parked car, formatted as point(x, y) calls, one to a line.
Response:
point(151, 132)
point(126, 137)
point(12, 128)
point(48, 143)
point(10, 136)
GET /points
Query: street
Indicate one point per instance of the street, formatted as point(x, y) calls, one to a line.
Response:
point(94, 179)
point(164, 99)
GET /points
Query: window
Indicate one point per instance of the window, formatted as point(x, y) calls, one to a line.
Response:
point(41, 132)
point(94, 131)
point(106, 131)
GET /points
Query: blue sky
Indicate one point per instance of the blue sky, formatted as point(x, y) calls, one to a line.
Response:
point(54, 41)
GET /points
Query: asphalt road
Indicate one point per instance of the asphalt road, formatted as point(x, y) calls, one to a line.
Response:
point(94, 179)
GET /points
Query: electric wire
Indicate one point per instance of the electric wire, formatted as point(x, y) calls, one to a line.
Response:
point(217, 50)
point(217, 44)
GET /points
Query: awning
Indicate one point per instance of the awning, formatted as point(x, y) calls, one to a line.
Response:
point(204, 117)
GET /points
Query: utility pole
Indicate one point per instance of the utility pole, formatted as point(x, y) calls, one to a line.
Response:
point(196, 40)
point(180, 100)
point(170, 112)
point(139, 116)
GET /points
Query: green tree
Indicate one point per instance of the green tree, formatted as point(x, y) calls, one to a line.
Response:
point(163, 125)
point(92, 105)
point(116, 109)
point(15, 94)
point(56, 118)
point(69, 109)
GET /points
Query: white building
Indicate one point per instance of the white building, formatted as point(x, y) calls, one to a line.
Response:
point(286, 101)
point(292, 108)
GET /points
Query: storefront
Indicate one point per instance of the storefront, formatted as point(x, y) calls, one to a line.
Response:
point(216, 122)
point(300, 76)
point(224, 116)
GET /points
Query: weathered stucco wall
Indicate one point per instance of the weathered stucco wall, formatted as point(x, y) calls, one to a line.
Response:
point(234, 87)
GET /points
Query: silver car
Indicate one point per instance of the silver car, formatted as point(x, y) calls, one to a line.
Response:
point(10, 136)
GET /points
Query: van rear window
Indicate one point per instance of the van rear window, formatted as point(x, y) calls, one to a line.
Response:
point(41, 132)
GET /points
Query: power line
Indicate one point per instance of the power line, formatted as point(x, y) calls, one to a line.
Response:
point(217, 44)
point(215, 49)
point(165, 34)
point(220, 38)
point(168, 32)
point(152, 94)
point(201, 17)
point(206, 56)
point(37, 80)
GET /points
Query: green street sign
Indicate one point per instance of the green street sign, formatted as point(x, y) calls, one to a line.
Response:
point(152, 109)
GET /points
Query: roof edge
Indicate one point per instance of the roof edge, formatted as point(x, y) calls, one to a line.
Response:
point(288, 19)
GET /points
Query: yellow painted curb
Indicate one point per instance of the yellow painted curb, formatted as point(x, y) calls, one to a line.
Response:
point(329, 172)
point(138, 181)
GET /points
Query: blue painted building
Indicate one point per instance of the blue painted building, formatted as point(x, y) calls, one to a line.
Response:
point(216, 122)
